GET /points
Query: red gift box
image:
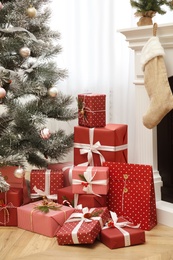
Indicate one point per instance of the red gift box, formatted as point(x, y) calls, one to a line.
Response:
point(93, 146)
point(65, 195)
point(13, 195)
point(8, 215)
point(8, 174)
point(46, 224)
point(46, 183)
point(80, 229)
point(92, 110)
point(121, 234)
point(131, 193)
point(90, 180)
point(66, 168)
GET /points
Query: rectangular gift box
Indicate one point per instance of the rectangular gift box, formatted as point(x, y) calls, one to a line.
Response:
point(92, 110)
point(86, 200)
point(46, 224)
point(90, 180)
point(8, 215)
point(131, 193)
point(82, 232)
point(13, 196)
point(92, 146)
point(114, 238)
point(66, 168)
point(47, 181)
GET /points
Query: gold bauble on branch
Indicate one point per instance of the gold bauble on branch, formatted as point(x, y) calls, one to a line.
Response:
point(31, 12)
point(24, 52)
point(19, 172)
point(53, 92)
point(2, 92)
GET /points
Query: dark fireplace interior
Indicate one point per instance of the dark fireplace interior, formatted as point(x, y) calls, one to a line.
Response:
point(165, 153)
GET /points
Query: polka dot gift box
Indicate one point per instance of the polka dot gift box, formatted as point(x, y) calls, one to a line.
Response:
point(131, 193)
point(92, 110)
point(46, 182)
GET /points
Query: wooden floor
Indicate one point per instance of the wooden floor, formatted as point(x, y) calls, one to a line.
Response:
point(16, 244)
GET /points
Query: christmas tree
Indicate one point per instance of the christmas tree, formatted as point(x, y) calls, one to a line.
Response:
point(29, 80)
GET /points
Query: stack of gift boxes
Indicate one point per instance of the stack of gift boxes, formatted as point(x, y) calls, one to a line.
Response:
point(97, 196)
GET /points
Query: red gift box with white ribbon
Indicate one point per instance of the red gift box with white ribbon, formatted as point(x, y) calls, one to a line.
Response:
point(93, 146)
point(92, 110)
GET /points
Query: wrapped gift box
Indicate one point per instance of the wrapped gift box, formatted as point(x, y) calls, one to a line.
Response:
point(131, 193)
point(92, 146)
point(8, 215)
point(46, 224)
point(86, 200)
point(66, 168)
point(81, 230)
point(46, 182)
point(13, 196)
point(8, 174)
point(92, 110)
point(90, 180)
point(121, 236)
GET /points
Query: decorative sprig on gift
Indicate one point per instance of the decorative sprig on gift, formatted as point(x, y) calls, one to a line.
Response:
point(89, 215)
point(81, 107)
point(84, 183)
point(47, 205)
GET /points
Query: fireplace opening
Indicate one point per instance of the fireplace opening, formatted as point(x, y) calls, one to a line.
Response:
point(165, 153)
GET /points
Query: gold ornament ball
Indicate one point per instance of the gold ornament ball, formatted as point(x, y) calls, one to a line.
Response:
point(31, 12)
point(45, 133)
point(2, 92)
point(19, 173)
point(25, 52)
point(53, 92)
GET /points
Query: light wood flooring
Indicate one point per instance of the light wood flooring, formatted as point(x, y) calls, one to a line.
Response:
point(17, 244)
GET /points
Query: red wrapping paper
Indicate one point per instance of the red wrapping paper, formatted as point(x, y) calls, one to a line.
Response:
point(86, 200)
point(14, 196)
point(131, 193)
point(112, 144)
point(86, 234)
point(46, 224)
point(114, 238)
point(66, 168)
point(92, 110)
point(48, 183)
point(99, 184)
point(8, 215)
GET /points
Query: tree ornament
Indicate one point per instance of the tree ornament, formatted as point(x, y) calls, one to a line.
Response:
point(25, 52)
point(31, 12)
point(53, 92)
point(19, 173)
point(45, 133)
point(1, 6)
point(2, 93)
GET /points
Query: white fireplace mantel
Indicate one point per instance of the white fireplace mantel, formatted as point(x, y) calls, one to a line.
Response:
point(146, 139)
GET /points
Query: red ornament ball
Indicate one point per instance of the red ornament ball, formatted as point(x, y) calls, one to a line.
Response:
point(45, 133)
point(2, 93)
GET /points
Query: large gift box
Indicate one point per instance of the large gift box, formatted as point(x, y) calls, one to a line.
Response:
point(15, 182)
point(93, 146)
point(66, 197)
point(131, 193)
point(66, 168)
point(9, 201)
point(120, 233)
point(32, 219)
point(92, 110)
point(90, 180)
point(46, 182)
point(83, 227)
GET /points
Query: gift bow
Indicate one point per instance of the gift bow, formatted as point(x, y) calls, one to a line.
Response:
point(81, 217)
point(120, 225)
point(5, 207)
point(87, 185)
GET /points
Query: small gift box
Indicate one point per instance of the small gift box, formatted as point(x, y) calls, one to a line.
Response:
point(31, 217)
point(66, 168)
point(93, 146)
point(66, 197)
point(82, 227)
point(92, 110)
point(90, 180)
point(46, 183)
point(120, 233)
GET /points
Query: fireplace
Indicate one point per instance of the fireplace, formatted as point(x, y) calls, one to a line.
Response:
point(146, 146)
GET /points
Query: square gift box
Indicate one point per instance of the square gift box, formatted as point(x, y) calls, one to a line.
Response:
point(90, 180)
point(131, 193)
point(92, 110)
point(93, 146)
point(121, 234)
point(46, 182)
point(46, 224)
point(83, 227)
point(65, 195)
